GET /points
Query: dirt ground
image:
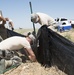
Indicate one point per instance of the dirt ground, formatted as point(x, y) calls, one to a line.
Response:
point(34, 68)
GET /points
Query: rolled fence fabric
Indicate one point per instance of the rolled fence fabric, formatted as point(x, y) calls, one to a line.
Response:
point(56, 49)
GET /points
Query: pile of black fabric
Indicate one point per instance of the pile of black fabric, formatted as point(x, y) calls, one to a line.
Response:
point(54, 49)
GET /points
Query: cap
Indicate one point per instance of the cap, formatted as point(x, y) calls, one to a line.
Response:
point(31, 36)
point(34, 17)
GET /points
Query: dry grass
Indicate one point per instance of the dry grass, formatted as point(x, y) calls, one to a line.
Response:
point(22, 31)
point(68, 34)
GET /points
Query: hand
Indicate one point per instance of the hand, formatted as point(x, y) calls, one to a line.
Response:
point(32, 58)
point(7, 19)
point(12, 28)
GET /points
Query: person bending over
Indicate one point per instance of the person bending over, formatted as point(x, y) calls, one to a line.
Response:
point(42, 19)
point(16, 43)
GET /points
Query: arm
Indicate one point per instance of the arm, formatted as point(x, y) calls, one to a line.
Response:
point(2, 19)
point(11, 25)
point(30, 54)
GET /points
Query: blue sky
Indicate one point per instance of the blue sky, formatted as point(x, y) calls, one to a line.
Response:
point(19, 10)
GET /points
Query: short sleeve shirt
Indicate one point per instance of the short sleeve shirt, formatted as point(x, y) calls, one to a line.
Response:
point(45, 19)
point(14, 43)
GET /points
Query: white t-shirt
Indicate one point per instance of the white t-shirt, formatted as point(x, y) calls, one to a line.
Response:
point(14, 43)
point(45, 19)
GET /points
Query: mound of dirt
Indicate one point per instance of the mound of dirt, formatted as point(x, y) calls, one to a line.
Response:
point(34, 68)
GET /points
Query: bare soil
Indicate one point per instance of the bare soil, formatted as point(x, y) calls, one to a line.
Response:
point(34, 68)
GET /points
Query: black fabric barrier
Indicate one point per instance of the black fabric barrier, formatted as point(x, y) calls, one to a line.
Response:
point(54, 49)
point(13, 33)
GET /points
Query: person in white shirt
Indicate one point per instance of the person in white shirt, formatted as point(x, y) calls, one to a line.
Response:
point(17, 42)
point(42, 19)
